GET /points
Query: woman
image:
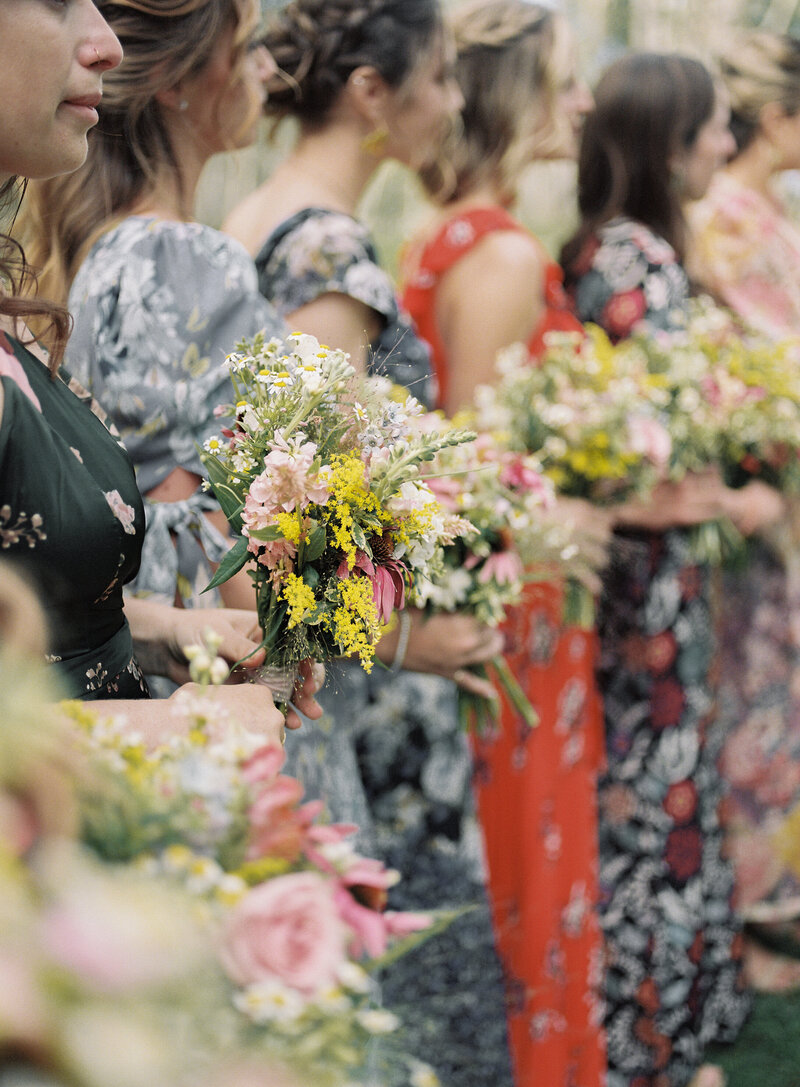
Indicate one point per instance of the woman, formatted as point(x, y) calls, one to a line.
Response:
point(368, 81)
point(159, 300)
point(673, 942)
point(745, 250)
point(72, 518)
point(477, 282)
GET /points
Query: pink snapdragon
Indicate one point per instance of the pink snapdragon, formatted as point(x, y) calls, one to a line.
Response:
point(287, 481)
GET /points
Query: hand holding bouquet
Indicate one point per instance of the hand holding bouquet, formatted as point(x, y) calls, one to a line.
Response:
point(325, 490)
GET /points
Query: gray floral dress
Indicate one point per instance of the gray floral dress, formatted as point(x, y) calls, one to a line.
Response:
point(389, 754)
point(673, 941)
point(157, 306)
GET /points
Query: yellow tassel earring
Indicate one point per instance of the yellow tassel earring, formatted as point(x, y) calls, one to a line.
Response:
point(374, 143)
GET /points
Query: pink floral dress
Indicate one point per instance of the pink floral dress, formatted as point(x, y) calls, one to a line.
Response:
point(747, 252)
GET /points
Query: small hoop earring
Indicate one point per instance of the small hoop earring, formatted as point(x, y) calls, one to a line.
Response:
point(97, 54)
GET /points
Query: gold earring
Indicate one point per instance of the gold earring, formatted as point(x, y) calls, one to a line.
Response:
point(374, 143)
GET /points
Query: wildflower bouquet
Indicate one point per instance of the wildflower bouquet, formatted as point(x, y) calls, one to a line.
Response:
point(587, 421)
point(500, 496)
point(300, 915)
point(728, 399)
point(335, 523)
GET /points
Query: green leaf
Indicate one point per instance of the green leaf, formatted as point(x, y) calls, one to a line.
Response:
point(218, 476)
point(315, 544)
point(231, 564)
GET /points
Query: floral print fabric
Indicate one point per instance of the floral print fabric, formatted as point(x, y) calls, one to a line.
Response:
point(389, 754)
point(536, 789)
point(628, 278)
point(746, 251)
point(157, 306)
point(317, 252)
point(673, 941)
point(72, 519)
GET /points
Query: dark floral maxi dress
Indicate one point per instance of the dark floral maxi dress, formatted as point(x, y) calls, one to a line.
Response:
point(673, 942)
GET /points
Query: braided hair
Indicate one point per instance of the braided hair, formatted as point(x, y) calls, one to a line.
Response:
point(759, 68)
point(317, 44)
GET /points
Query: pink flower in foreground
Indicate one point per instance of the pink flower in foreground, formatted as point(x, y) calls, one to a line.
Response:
point(361, 898)
point(287, 481)
point(287, 928)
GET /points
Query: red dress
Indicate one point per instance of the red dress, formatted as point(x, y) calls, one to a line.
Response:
point(536, 789)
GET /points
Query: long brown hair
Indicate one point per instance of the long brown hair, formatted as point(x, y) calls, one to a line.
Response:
point(648, 107)
point(164, 41)
point(505, 59)
point(18, 288)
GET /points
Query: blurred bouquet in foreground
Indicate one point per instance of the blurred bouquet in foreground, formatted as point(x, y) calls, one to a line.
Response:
point(325, 491)
point(302, 916)
point(211, 930)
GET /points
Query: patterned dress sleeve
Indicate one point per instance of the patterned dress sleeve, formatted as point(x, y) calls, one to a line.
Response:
point(318, 252)
point(745, 250)
point(157, 307)
point(628, 279)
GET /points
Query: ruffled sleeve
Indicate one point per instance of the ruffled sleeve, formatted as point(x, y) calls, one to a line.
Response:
point(157, 306)
point(319, 252)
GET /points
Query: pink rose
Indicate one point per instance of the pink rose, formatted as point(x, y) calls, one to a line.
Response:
point(287, 928)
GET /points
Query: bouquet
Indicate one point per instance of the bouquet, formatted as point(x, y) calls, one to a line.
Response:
point(325, 493)
point(297, 914)
point(587, 420)
point(501, 497)
point(728, 399)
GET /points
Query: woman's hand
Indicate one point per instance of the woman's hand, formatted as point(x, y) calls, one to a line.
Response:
point(447, 645)
point(248, 704)
point(755, 507)
point(698, 497)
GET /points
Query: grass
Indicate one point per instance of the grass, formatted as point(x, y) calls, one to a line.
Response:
point(767, 1052)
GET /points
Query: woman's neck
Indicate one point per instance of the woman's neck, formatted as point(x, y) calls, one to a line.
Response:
point(754, 167)
point(328, 168)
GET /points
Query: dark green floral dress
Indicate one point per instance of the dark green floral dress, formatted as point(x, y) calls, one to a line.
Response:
point(673, 941)
point(71, 521)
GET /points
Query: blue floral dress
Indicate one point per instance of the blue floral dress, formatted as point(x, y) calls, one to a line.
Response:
point(72, 522)
point(157, 306)
point(673, 942)
point(389, 753)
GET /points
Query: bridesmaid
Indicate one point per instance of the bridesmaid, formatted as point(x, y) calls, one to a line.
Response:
point(745, 249)
point(478, 281)
point(368, 81)
point(673, 981)
point(159, 299)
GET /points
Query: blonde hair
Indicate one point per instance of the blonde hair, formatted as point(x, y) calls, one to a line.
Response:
point(759, 67)
point(510, 56)
point(164, 42)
